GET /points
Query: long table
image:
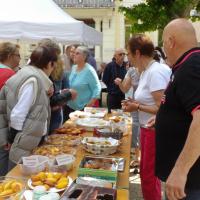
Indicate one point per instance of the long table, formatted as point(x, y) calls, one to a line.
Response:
point(123, 177)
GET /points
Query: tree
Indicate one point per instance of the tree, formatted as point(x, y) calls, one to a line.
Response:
point(153, 15)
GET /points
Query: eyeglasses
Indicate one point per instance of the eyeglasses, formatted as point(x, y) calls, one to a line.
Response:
point(18, 55)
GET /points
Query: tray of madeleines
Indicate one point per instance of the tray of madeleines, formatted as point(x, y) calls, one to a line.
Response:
point(52, 181)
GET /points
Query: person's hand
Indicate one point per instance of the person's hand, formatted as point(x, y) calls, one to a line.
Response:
point(151, 122)
point(50, 91)
point(73, 94)
point(129, 106)
point(91, 103)
point(118, 81)
point(175, 184)
point(7, 146)
point(127, 100)
point(64, 90)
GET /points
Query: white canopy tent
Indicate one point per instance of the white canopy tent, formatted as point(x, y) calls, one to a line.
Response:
point(37, 19)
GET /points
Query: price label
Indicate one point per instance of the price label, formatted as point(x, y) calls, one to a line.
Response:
point(64, 159)
point(30, 161)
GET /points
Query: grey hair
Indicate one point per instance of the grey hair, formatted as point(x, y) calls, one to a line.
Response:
point(50, 44)
point(84, 50)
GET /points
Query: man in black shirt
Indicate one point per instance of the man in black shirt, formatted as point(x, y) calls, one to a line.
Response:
point(113, 70)
point(178, 119)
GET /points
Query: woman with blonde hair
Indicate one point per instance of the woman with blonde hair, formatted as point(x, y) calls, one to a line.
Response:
point(60, 96)
point(9, 60)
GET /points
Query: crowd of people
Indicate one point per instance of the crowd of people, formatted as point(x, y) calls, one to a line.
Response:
point(32, 99)
point(164, 104)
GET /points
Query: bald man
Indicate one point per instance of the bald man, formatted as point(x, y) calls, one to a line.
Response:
point(178, 119)
point(114, 69)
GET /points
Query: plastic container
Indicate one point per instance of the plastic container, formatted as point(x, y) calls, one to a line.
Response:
point(66, 164)
point(50, 196)
point(106, 132)
point(38, 192)
point(34, 169)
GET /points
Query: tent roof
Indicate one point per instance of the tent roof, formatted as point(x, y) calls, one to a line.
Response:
point(38, 19)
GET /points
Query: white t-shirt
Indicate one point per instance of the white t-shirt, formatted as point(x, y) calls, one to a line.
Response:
point(154, 78)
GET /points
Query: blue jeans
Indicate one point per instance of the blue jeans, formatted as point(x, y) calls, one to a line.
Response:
point(4, 155)
point(135, 130)
point(56, 120)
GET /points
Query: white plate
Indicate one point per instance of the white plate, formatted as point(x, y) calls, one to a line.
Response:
point(96, 112)
point(77, 115)
point(92, 122)
point(86, 114)
point(53, 189)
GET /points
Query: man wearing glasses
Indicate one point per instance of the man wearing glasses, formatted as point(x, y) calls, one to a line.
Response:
point(113, 70)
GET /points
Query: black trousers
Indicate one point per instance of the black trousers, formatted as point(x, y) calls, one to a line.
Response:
point(66, 111)
point(114, 101)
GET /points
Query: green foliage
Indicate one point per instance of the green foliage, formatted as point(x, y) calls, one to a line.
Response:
point(155, 14)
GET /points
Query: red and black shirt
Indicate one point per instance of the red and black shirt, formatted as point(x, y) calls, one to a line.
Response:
point(174, 117)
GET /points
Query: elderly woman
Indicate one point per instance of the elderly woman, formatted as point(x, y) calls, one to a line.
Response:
point(153, 81)
point(9, 60)
point(84, 80)
point(25, 103)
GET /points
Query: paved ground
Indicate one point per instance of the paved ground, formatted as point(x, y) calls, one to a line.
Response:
point(135, 187)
